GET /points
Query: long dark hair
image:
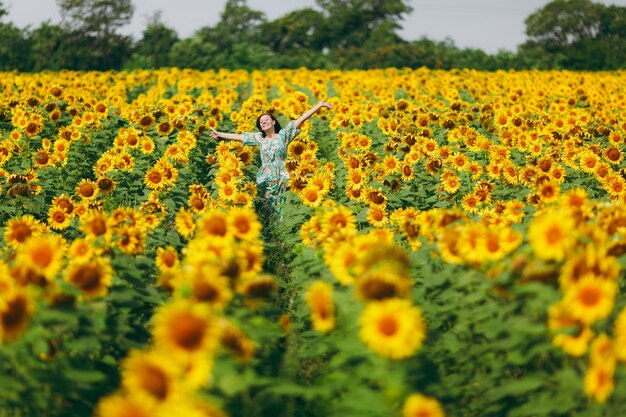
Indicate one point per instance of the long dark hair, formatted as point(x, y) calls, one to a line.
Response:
point(276, 123)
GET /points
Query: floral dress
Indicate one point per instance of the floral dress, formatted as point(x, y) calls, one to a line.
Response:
point(272, 179)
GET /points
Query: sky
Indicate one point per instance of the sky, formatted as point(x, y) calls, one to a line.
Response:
point(490, 25)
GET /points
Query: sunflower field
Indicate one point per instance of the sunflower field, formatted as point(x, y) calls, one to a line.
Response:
point(452, 245)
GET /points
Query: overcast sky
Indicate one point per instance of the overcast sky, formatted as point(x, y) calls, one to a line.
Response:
point(489, 25)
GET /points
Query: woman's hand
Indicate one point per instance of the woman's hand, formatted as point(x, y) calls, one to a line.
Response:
point(326, 104)
point(215, 134)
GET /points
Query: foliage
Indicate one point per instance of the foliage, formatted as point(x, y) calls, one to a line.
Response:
point(439, 237)
point(568, 34)
point(579, 34)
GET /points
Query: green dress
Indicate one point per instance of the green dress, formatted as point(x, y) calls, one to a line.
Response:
point(272, 179)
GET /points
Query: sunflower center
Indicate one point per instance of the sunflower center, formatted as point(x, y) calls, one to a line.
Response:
point(98, 227)
point(169, 259)
point(42, 256)
point(311, 195)
point(15, 314)
point(155, 177)
point(204, 291)
point(377, 216)
point(59, 217)
point(377, 289)
point(189, 332)
point(87, 277)
point(242, 225)
point(216, 226)
point(21, 232)
point(554, 235)
point(589, 296)
point(388, 326)
point(613, 154)
point(154, 381)
point(87, 190)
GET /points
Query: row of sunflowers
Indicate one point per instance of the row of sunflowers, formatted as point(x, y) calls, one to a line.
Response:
point(452, 244)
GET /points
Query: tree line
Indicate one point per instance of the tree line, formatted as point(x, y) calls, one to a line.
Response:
point(339, 34)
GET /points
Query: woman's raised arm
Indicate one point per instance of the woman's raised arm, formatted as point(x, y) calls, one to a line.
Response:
point(311, 112)
point(232, 136)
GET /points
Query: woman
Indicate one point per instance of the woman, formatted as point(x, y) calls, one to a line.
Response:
point(272, 178)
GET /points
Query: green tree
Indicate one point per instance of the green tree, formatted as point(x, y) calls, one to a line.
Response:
point(577, 34)
point(47, 47)
point(238, 24)
point(300, 29)
point(92, 26)
point(14, 45)
point(194, 52)
point(351, 23)
point(153, 49)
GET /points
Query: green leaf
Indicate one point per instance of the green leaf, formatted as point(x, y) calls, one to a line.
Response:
point(517, 388)
point(84, 376)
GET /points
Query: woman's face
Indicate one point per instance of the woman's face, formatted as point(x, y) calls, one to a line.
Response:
point(266, 122)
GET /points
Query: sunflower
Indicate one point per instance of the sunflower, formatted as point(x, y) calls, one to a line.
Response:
point(198, 204)
point(341, 263)
point(376, 197)
point(164, 128)
point(592, 260)
point(92, 278)
point(613, 155)
point(377, 216)
point(15, 310)
point(418, 405)
point(470, 203)
point(64, 203)
point(407, 172)
point(227, 192)
point(548, 191)
point(588, 161)
point(245, 223)
point(124, 405)
point(311, 196)
point(590, 299)
point(615, 185)
point(80, 250)
point(207, 285)
point(261, 286)
point(87, 189)
point(215, 223)
point(236, 342)
point(571, 335)
point(603, 351)
point(43, 158)
point(391, 164)
point(96, 224)
point(147, 145)
point(382, 283)
point(58, 219)
point(105, 185)
point(166, 258)
point(598, 382)
point(185, 222)
point(319, 298)
point(18, 230)
point(146, 122)
point(552, 235)
point(355, 178)
point(43, 255)
point(335, 219)
point(392, 328)
point(155, 179)
point(185, 328)
point(131, 239)
point(151, 376)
